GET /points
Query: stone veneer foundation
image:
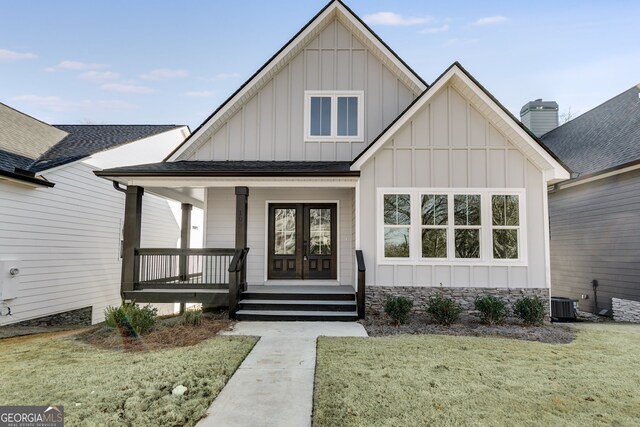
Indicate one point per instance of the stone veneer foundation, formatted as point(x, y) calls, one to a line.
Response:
point(81, 316)
point(376, 296)
point(625, 310)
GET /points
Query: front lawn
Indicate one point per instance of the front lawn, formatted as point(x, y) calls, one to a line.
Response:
point(445, 380)
point(105, 387)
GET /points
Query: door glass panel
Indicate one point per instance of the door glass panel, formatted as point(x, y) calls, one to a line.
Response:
point(320, 231)
point(285, 231)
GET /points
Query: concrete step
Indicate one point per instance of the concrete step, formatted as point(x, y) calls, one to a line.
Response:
point(295, 315)
point(297, 305)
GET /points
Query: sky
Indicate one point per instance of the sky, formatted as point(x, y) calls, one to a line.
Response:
point(175, 62)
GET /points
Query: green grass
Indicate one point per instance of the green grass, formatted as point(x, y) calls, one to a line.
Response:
point(445, 380)
point(102, 387)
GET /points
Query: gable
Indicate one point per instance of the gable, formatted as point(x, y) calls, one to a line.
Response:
point(455, 124)
point(263, 120)
point(449, 143)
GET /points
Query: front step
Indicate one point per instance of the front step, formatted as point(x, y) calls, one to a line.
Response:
point(294, 316)
point(298, 303)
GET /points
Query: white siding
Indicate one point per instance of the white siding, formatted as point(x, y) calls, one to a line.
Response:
point(220, 224)
point(270, 124)
point(67, 239)
point(450, 144)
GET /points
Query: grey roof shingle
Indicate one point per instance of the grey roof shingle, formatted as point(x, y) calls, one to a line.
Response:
point(603, 138)
point(86, 140)
point(10, 161)
point(233, 168)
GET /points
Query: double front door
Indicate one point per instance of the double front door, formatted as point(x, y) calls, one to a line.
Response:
point(302, 241)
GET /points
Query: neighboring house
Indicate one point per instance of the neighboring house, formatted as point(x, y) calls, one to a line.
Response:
point(595, 220)
point(341, 170)
point(60, 225)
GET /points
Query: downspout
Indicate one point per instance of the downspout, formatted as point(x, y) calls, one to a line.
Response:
point(116, 185)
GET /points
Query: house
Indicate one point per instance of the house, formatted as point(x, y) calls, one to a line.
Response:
point(60, 225)
point(336, 176)
point(595, 237)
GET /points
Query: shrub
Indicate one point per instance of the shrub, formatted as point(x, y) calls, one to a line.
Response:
point(192, 317)
point(530, 310)
point(398, 308)
point(131, 319)
point(492, 310)
point(443, 310)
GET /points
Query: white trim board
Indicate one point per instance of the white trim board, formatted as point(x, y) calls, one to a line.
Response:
point(531, 149)
point(334, 10)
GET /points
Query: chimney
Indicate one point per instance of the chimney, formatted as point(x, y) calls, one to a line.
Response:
point(540, 116)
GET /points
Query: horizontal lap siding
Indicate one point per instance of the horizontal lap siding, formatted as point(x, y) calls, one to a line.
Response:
point(67, 239)
point(595, 234)
point(270, 125)
point(449, 143)
point(221, 214)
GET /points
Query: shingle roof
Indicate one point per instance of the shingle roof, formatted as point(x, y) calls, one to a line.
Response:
point(233, 168)
point(603, 138)
point(86, 140)
point(10, 161)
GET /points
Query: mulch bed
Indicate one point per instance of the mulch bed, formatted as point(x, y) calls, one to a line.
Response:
point(168, 333)
point(382, 325)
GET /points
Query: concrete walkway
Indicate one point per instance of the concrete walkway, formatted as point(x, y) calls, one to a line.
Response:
point(274, 384)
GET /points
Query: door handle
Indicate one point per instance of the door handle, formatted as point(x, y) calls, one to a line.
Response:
point(306, 250)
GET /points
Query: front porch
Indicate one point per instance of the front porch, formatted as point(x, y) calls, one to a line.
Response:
point(228, 276)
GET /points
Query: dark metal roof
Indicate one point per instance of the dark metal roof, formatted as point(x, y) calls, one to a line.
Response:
point(233, 169)
point(10, 161)
point(601, 139)
point(86, 140)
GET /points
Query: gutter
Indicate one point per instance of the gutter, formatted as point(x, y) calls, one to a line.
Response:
point(577, 179)
point(225, 174)
point(24, 176)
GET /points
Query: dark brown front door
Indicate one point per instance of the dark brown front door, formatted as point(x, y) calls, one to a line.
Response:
point(302, 241)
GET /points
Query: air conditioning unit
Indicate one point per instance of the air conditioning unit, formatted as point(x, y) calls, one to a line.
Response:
point(563, 308)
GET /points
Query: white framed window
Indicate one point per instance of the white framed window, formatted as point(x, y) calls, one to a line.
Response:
point(505, 225)
point(451, 226)
point(334, 116)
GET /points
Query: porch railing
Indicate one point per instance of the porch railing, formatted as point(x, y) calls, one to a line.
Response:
point(167, 268)
point(360, 294)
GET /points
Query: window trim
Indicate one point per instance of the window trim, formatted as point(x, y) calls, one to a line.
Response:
point(486, 227)
point(334, 95)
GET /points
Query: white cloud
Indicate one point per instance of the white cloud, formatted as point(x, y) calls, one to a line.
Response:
point(75, 66)
point(391, 18)
point(57, 104)
point(221, 77)
point(127, 88)
point(200, 93)
point(490, 20)
point(433, 30)
point(164, 74)
point(457, 41)
point(99, 76)
point(11, 56)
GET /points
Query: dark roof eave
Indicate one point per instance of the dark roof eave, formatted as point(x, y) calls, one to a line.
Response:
point(590, 175)
point(27, 179)
point(223, 174)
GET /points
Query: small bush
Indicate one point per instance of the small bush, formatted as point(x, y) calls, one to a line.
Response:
point(398, 308)
point(192, 317)
point(492, 310)
point(131, 319)
point(443, 310)
point(530, 310)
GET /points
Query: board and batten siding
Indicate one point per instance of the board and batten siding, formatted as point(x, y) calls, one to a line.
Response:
point(67, 240)
point(270, 125)
point(449, 143)
point(220, 224)
point(595, 234)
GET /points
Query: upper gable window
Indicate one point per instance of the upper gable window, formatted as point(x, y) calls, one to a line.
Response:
point(331, 116)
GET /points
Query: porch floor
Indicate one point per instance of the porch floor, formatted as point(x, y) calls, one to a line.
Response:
point(301, 289)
